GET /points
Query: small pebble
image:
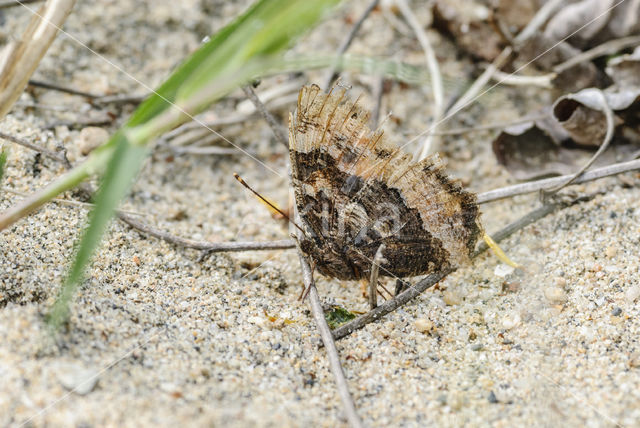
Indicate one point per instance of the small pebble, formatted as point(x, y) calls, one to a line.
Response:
point(455, 400)
point(77, 379)
point(90, 138)
point(555, 295)
point(423, 325)
point(616, 311)
point(510, 320)
point(560, 281)
point(452, 297)
point(611, 251)
point(632, 293)
point(503, 270)
point(492, 397)
point(477, 347)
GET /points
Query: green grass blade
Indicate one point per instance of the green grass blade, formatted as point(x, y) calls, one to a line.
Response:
point(4, 153)
point(228, 59)
point(121, 170)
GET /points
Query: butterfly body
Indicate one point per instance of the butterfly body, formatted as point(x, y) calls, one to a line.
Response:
point(355, 191)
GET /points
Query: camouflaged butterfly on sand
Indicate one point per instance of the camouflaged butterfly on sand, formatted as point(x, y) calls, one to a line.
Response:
point(355, 191)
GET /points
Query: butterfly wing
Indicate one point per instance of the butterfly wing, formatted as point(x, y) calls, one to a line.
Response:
point(354, 191)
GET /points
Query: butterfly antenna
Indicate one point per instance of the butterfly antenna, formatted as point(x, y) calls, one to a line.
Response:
point(266, 201)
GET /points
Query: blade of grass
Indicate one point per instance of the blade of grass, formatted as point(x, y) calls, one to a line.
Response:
point(4, 153)
point(121, 170)
point(233, 52)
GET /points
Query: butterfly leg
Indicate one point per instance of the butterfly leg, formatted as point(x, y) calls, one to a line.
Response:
point(373, 279)
point(312, 265)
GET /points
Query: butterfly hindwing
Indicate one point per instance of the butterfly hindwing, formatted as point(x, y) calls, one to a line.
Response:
point(354, 191)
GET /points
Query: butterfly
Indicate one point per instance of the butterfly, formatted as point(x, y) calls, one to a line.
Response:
point(355, 191)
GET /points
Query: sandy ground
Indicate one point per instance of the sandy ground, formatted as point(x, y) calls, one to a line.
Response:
point(159, 337)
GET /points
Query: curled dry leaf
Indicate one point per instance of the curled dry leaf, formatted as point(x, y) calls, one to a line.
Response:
point(624, 70)
point(566, 140)
point(570, 21)
point(528, 152)
point(583, 120)
point(467, 23)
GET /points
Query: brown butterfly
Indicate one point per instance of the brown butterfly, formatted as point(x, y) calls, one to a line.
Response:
point(355, 191)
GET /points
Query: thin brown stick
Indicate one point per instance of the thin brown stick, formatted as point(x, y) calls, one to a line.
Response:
point(329, 345)
point(472, 93)
point(610, 47)
point(60, 157)
point(120, 99)
point(432, 279)
point(549, 183)
point(378, 92)
point(69, 202)
point(276, 128)
point(81, 123)
point(373, 279)
point(213, 247)
point(61, 88)
point(332, 74)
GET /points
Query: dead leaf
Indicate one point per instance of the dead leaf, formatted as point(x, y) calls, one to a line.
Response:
point(580, 76)
point(467, 23)
point(528, 152)
point(582, 116)
point(624, 70)
point(579, 22)
point(565, 141)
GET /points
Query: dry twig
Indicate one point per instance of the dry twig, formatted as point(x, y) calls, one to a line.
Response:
point(373, 279)
point(329, 344)
point(59, 156)
point(205, 245)
point(549, 183)
point(606, 48)
point(69, 202)
point(378, 92)
point(332, 74)
point(61, 88)
point(120, 99)
point(430, 143)
point(475, 88)
point(276, 128)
